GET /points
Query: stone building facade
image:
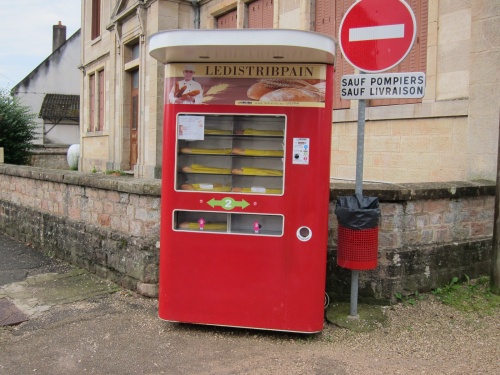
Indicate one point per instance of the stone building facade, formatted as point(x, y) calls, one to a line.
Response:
point(449, 135)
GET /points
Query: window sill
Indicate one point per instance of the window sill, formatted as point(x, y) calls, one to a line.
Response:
point(95, 41)
point(99, 133)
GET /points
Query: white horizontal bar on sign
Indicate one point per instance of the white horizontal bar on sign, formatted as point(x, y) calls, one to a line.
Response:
point(361, 34)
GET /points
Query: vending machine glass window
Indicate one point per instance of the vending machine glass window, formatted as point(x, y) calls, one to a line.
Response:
point(210, 222)
point(230, 153)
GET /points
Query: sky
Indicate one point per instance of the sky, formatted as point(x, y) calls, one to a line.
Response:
point(26, 34)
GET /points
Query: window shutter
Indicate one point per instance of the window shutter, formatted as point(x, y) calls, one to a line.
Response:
point(91, 102)
point(342, 67)
point(260, 14)
point(268, 14)
point(96, 19)
point(416, 60)
point(329, 14)
point(227, 21)
point(100, 119)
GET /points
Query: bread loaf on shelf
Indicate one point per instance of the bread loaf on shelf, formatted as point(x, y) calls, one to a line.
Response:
point(253, 190)
point(257, 172)
point(205, 187)
point(263, 132)
point(193, 225)
point(198, 168)
point(206, 151)
point(217, 132)
point(252, 152)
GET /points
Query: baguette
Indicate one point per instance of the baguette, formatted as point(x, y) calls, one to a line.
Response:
point(217, 132)
point(203, 151)
point(205, 187)
point(198, 168)
point(189, 94)
point(260, 132)
point(257, 172)
point(250, 152)
point(179, 91)
point(207, 226)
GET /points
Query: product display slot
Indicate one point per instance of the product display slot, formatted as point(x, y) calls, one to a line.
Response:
point(236, 145)
point(202, 221)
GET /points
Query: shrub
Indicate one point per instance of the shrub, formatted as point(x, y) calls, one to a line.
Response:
point(17, 129)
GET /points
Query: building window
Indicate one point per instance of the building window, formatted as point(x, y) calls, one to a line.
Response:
point(227, 21)
point(100, 101)
point(96, 19)
point(329, 15)
point(135, 50)
point(134, 117)
point(260, 14)
point(96, 101)
point(91, 103)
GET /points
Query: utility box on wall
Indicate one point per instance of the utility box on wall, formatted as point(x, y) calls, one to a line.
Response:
point(246, 164)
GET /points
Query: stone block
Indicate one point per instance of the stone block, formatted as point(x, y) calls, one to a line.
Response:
point(147, 290)
point(455, 26)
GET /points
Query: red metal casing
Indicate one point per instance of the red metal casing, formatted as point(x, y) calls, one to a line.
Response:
point(244, 280)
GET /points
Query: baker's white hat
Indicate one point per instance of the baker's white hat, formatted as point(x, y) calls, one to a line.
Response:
point(189, 67)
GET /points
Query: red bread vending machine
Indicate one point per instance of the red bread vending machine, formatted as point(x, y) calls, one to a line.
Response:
point(245, 183)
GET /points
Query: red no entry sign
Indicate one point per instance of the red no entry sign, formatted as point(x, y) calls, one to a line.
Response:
point(376, 35)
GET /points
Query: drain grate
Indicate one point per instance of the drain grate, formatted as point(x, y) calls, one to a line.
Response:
point(10, 315)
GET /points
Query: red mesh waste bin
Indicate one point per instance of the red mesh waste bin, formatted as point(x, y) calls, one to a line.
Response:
point(357, 249)
point(357, 246)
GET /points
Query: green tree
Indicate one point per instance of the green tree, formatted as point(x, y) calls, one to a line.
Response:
point(17, 129)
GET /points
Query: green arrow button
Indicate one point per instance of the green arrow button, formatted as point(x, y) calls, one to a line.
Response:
point(228, 203)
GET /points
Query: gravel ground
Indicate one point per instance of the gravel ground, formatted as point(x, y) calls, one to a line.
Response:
point(121, 334)
point(428, 338)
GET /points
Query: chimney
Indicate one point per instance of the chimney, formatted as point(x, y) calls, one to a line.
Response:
point(58, 36)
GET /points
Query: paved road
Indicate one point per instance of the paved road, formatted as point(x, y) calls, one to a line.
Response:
point(19, 261)
point(77, 323)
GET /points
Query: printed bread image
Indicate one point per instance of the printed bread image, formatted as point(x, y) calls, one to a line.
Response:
point(198, 168)
point(257, 172)
point(206, 226)
point(260, 132)
point(287, 90)
point(206, 151)
point(291, 95)
point(205, 187)
point(257, 90)
point(190, 94)
point(251, 152)
point(179, 92)
point(254, 190)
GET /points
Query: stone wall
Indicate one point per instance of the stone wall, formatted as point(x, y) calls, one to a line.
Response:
point(52, 157)
point(428, 233)
point(108, 225)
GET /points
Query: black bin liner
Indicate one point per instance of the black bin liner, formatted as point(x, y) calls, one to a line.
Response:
point(357, 214)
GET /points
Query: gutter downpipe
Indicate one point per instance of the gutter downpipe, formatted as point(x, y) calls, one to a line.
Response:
point(196, 7)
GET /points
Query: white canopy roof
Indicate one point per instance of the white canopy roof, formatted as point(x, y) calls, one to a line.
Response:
point(242, 45)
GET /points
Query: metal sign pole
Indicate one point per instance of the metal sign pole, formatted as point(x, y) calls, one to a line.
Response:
point(359, 194)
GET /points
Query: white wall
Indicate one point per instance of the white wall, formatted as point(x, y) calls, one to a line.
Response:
point(58, 74)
